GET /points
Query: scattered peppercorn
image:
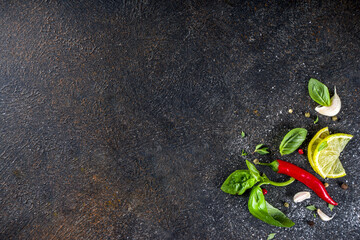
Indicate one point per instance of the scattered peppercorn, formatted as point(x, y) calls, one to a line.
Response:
point(307, 115)
point(286, 205)
point(256, 161)
point(334, 118)
point(311, 223)
point(301, 152)
point(290, 110)
point(326, 184)
point(264, 191)
point(344, 186)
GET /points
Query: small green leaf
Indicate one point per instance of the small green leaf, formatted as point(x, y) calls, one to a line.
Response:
point(322, 146)
point(311, 208)
point(243, 153)
point(316, 120)
point(319, 92)
point(258, 146)
point(314, 215)
point(262, 151)
point(292, 140)
point(242, 134)
point(331, 206)
point(271, 236)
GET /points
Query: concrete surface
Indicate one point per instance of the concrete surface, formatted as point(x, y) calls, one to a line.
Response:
point(121, 120)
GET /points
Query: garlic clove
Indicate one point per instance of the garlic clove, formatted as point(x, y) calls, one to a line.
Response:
point(301, 196)
point(323, 216)
point(334, 107)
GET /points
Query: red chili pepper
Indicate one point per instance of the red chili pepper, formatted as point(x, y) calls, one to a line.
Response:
point(303, 176)
point(264, 191)
point(301, 151)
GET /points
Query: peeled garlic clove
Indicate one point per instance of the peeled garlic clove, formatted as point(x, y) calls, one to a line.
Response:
point(331, 110)
point(301, 196)
point(323, 216)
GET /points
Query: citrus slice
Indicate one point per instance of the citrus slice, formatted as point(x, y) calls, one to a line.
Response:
point(320, 135)
point(326, 155)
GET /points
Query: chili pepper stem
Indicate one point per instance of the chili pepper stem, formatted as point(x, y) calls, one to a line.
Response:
point(282, 184)
point(279, 184)
point(273, 165)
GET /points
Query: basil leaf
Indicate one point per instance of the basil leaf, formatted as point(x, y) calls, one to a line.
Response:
point(258, 146)
point(264, 211)
point(271, 236)
point(292, 140)
point(253, 171)
point(242, 134)
point(322, 146)
point(238, 182)
point(319, 92)
point(263, 151)
point(243, 153)
point(311, 208)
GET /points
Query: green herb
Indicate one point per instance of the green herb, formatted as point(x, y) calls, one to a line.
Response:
point(243, 153)
point(314, 215)
point(271, 236)
point(316, 120)
point(241, 180)
point(261, 150)
point(264, 211)
point(331, 206)
point(311, 208)
point(322, 146)
point(319, 92)
point(242, 134)
point(292, 140)
point(253, 171)
point(238, 182)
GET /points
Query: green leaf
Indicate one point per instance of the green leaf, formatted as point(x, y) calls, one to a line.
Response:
point(314, 215)
point(264, 211)
point(242, 134)
point(238, 182)
point(258, 146)
point(271, 236)
point(253, 171)
point(322, 146)
point(292, 140)
point(331, 206)
point(243, 153)
point(319, 92)
point(262, 151)
point(311, 208)
point(316, 120)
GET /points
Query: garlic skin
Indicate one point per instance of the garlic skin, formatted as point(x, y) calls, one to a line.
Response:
point(323, 216)
point(301, 196)
point(334, 107)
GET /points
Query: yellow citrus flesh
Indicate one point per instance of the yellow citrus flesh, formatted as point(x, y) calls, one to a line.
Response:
point(326, 161)
point(320, 135)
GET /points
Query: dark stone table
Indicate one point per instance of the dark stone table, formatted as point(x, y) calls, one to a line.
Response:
point(121, 120)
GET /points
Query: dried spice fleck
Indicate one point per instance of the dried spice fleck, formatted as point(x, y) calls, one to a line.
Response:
point(344, 186)
point(311, 223)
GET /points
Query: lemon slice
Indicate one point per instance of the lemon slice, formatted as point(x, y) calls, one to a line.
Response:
point(326, 155)
point(320, 135)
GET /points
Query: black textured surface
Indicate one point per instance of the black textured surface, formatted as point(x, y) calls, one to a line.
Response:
point(122, 120)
